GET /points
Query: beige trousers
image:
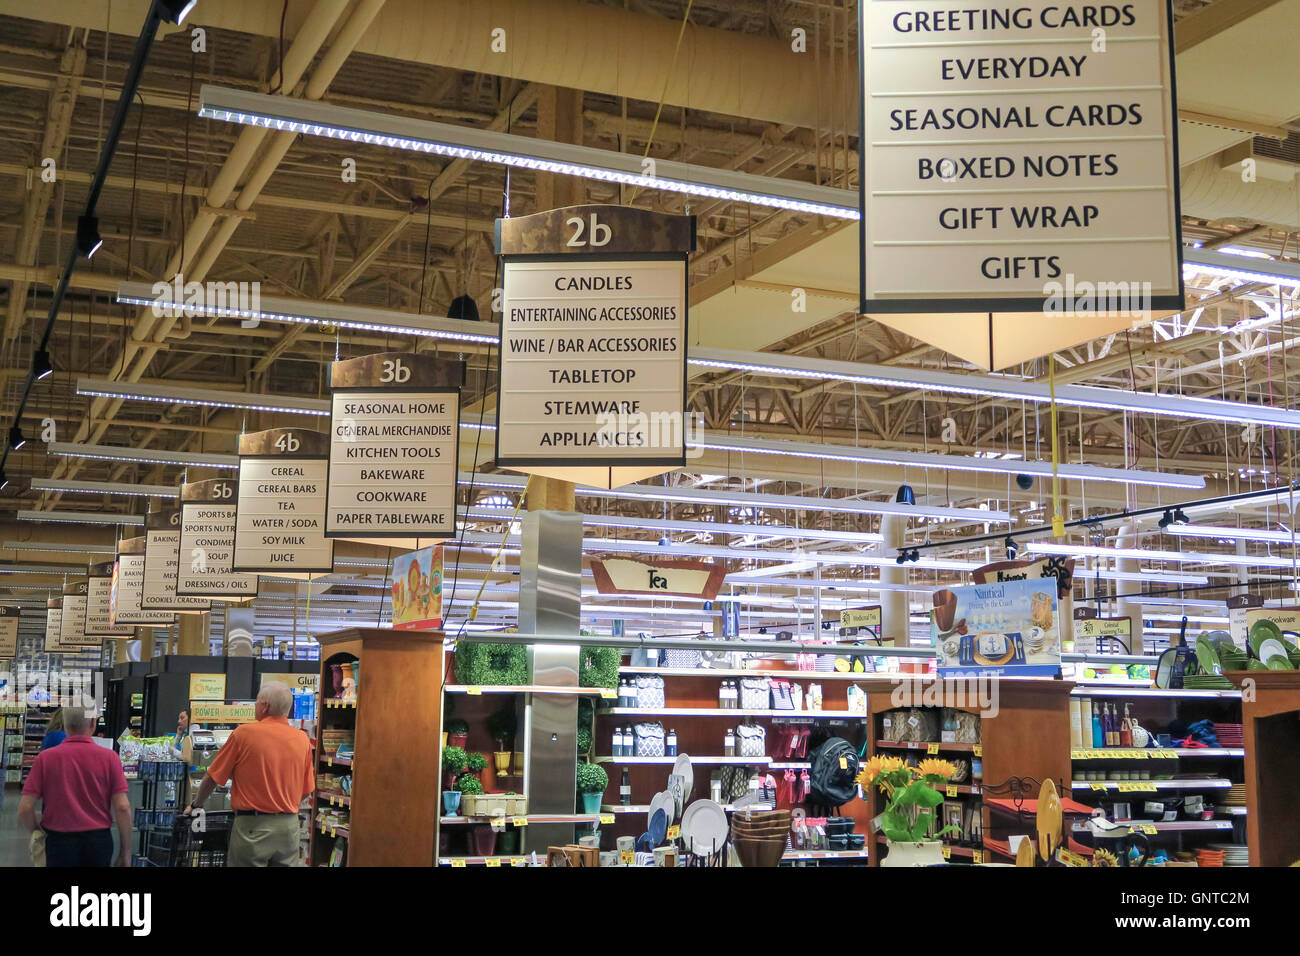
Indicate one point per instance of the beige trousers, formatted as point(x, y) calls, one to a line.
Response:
point(264, 840)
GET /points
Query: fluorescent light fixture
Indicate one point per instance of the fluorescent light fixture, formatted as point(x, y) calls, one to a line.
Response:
point(992, 386)
point(41, 569)
point(204, 397)
point(312, 118)
point(1146, 554)
point(176, 10)
point(60, 547)
point(105, 488)
point(1232, 534)
point(1242, 268)
point(310, 312)
point(80, 517)
point(149, 456)
point(846, 453)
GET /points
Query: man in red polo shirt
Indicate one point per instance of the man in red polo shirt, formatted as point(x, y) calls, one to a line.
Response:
point(269, 765)
point(84, 791)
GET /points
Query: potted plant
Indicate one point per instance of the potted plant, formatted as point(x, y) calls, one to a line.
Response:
point(592, 781)
point(910, 798)
point(477, 763)
point(470, 790)
point(454, 763)
point(457, 732)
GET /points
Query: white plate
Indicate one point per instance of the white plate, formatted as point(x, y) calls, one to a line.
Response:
point(662, 801)
point(1272, 648)
point(684, 770)
point(704, 827)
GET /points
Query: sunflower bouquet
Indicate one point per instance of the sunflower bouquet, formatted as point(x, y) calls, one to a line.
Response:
point(910, 795)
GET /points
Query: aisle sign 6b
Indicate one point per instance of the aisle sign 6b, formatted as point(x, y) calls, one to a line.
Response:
point(598, 235)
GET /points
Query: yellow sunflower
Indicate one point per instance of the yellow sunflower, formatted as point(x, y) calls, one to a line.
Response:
point(933, 767)
point(1104, 858)
point(875, 766)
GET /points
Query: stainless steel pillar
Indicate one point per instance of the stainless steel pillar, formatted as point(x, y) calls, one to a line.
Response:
point(550, 601)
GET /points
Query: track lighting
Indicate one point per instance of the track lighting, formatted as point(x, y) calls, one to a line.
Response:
point(16, 439)
point(175, 11)
point(1166, 519)
point(1180, 516)
point(41, 365)
point(905, 496)
point(88, 238)
point(1012, 548)
point(4, 480)
point(463, 307)
point(1025, 482)
point(908, 554)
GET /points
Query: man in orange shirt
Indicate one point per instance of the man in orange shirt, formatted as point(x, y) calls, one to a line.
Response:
point(270, 768)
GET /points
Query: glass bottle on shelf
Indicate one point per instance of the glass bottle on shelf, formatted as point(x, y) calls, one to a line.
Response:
point(722, 695)
point(670, 744)
point(622, 692)
point(729, 743)
point(632, 700)
point(618, 741)
point(1126, 727)
point(625, 789)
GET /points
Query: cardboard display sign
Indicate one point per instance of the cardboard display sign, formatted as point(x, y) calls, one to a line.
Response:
point(670, 578)
point(1020, 190)
point(417, 590)
point(394, 441)
point(53, 625)
point(207, 687)
point(128, 587)
point(72, 624)
point(162, 534)
point(1006, 629)
point(280, 518)
point(207, 543)
point(99, 603)
point(593, 343)
point(211, 713)
point(1054, 567)
point(9, 617)
point(1239, 608)
point(1287, 620)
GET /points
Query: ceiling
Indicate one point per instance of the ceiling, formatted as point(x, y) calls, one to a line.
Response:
point(413, 232)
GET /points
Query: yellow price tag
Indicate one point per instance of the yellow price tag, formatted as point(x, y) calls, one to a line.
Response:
point(977, 856)
point(1144, 788)
point(626, 857)
point(608, 693)
point(474, 691)
point(1148, 829)
point(497, 823)
point(844, 763)
point(607, 818)
point(492, 861)
point(674, 832)
point(977, 750)
point(457, 864)
point(947, 852)
point(518, 861)
point(932, 748)
point(519, 821)
point(1098, 786)
point(951, 790)
point(1125, 787)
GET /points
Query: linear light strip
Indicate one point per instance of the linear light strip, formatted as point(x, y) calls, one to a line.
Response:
point(1241, 268)
point(80, 517)
point(1235, 534)
point(992, 386)
point(105, 488)
point(1143, 554)
point(308, 312)
point(59, 547)
point(207, 398)
point(461, 142)
point(147, 456)
point(847, 453)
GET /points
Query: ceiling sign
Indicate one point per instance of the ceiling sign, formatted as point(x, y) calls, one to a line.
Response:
point(854, 618)
point(679, 578)
point(162, 546)
point(280, 521)
point(207, 544)
point(394, 438)
point(593, 343)
point(9, 616)
point(212, 712)
point(72, 624)
point(1019, 172)
point(1055, 567)
point(53, 624)
point(128, 586)
point(1089, 628)
point(99, 603)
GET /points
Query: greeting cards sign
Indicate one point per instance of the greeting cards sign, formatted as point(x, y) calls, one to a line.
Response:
point(394, 437)
point(99, 603)
point(207, 543)
point(1008, 629)
point(593, 343)
point(162, 547)
point(9, 615)
point(53, 624)
point(1019, 169)
point(128, 587)
point(417, 590)
point(280, 518)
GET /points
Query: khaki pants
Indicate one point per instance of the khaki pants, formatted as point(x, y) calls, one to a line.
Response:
point(264, 840)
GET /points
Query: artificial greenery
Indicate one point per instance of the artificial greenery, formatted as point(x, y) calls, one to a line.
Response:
point(479, 664)
point(598, 666)
point(457, 727)
point(584, 740)
point(910, 794)
point(454, 759)
point(469, 785)
point(476, 762)
point(502, 723)
point(586, 711)
point(592, 778)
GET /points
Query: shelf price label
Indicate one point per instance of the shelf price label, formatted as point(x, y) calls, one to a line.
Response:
point(608, 693)
point(1149, 829)
point(626, 857)
point(674, 832)
point(1098, 786)
point(977, 856)
point(977, 750)
point(607, 818)
point(518, 861)
point(457, 864)
point(519, 821)
point(474, 691)
point(492, 861)
point(932, 748)
point(497, 823)
point(947, 852)
point(950, 790)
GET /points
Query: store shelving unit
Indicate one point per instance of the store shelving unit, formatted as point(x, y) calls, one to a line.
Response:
point(1271, 773)
point(393, 808)
point(37, 717)
point(12, 720)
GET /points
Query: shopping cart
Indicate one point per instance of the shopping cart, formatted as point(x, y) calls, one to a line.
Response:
point(200, 839)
